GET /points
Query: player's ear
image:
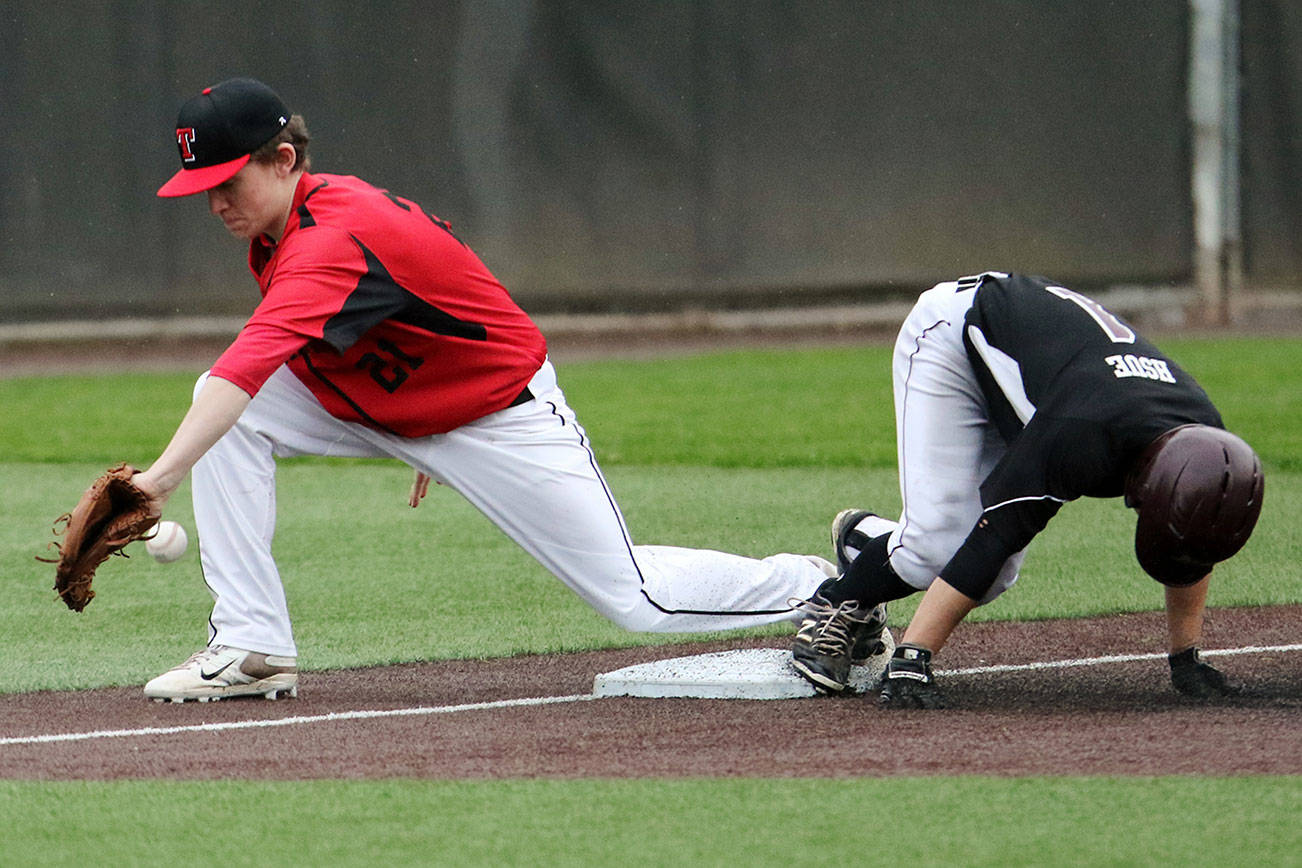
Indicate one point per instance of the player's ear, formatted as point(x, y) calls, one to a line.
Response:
point(286, 157)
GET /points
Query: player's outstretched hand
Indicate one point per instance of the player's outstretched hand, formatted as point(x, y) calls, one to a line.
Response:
point(1192, 677)
point(908, 682)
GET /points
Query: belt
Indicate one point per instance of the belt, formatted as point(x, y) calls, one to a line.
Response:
point(524, 397)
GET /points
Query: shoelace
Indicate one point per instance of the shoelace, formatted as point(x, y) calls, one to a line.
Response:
point(834, 624)
point(199, 656)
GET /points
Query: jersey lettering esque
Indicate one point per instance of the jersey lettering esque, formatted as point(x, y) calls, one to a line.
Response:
point(1076, 394)
point(384, 314)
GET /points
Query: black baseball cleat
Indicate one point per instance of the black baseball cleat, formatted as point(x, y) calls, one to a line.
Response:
point(868, 642)
point(848, 539)
point(822, 649)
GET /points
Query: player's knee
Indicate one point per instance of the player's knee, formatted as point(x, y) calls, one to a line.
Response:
point(1006, 579)
point(640, 618)
point(918, 564)
point(637, 614)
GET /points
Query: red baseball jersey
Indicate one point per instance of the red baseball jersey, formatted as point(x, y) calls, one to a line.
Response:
point(385, 315)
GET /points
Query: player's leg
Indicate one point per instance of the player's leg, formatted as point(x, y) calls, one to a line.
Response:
point(251, 644)
point(234, 492)
point(532, 472)
point(946, 446)
point(945, 450)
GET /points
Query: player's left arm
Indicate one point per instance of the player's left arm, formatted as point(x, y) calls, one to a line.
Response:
point(1185, 608)
point(962, 584)
point(283, 322)
point(215, 410)
point(942, 608)
point(1184, 614)
point(908, 681)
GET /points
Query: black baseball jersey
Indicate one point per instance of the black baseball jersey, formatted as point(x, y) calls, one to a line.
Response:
point(1076, 393)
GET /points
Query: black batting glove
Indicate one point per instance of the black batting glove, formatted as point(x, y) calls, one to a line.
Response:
point(1192, 677)
point(908, 682)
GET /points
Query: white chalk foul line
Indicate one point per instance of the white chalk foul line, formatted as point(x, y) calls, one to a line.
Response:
point(294, 721)
point(556, 700)
point(1117, 658)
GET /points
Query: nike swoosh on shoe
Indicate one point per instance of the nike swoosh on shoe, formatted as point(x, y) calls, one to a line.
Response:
point(209, 676)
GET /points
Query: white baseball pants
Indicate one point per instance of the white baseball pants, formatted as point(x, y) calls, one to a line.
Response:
point(529, 469)
point(946, 443)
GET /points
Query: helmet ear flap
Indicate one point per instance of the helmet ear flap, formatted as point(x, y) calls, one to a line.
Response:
point(1198, 490)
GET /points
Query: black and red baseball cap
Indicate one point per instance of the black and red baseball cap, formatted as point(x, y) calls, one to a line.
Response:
point(217, 130)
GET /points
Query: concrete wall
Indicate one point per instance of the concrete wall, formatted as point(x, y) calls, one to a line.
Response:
point(627, 155)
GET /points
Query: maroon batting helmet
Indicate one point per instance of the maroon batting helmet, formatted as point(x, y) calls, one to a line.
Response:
point(1198, 492)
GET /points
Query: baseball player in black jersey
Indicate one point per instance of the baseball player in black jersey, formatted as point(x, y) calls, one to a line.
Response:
point(1014, 395)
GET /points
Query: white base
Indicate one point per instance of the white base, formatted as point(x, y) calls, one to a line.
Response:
point(749, 673)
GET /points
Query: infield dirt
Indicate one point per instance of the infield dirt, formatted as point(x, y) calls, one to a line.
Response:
point(1108, 719)
point(1113, 719)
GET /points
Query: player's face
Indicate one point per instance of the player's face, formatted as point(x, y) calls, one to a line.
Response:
point(254, 202)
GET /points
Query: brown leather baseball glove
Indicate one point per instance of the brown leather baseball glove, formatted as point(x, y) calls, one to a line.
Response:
point(112, 513)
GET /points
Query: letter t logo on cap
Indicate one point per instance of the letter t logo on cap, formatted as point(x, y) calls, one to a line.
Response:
point(184, 138)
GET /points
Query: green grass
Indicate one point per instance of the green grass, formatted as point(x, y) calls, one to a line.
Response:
point(398, 585)
point(757, 408)
point(1256, 385)
point(907, 821)
point(750, 452)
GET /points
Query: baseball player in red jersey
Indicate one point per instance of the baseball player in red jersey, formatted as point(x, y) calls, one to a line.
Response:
point(380, 334)
point(1013, 396)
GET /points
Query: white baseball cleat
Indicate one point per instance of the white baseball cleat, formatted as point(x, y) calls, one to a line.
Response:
point(220, 672)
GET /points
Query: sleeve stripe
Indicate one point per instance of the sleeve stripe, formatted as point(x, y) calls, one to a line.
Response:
point(1027, 499)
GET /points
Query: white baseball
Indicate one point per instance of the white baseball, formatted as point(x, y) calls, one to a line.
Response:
point(168, 542)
